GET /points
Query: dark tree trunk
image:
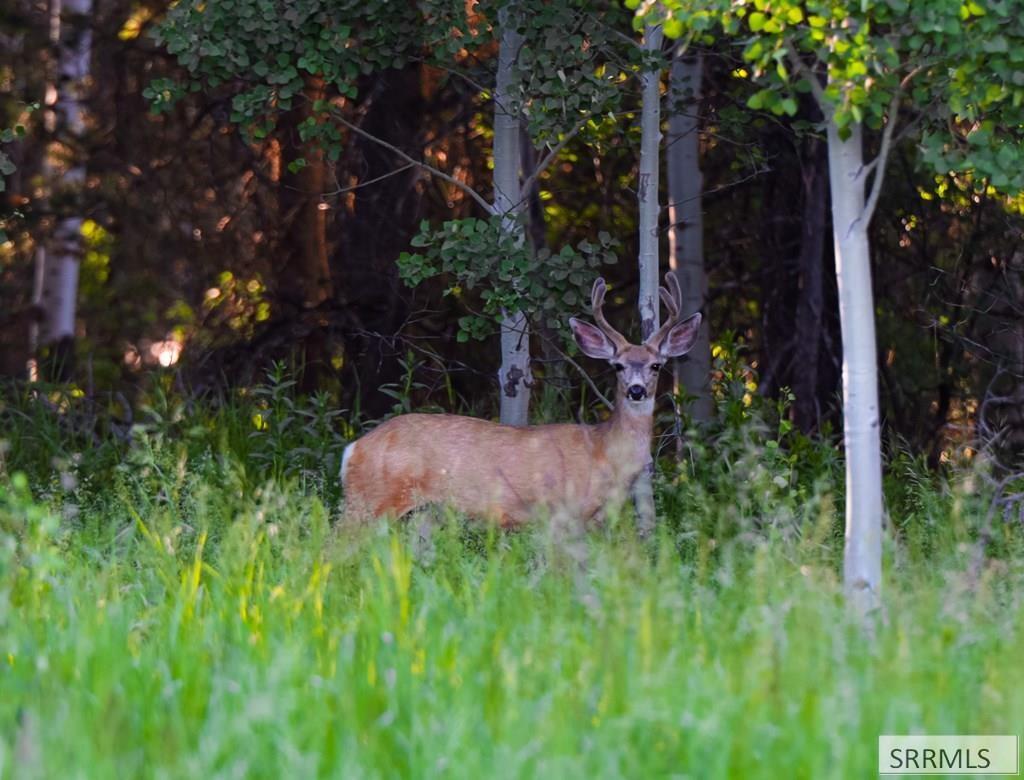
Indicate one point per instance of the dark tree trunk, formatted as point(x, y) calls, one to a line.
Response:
point(776, 288)
point(686, 232)
point(810, 303)
point(536, 234)
point(376, 223)
point(303, 274)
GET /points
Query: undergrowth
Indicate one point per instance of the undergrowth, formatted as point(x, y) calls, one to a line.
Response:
point(177, 599)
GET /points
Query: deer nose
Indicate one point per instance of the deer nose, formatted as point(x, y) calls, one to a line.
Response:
point(636, 392)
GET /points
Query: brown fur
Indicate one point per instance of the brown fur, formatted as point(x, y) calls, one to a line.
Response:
point(493, 471)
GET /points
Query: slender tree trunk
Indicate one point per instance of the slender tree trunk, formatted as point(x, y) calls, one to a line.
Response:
point(303, 279)
point(686, 234)
point(514, 377)
point(810, 305)
point(649, 265)
point(536, 231)
point(647, 190)
point(55, 292)
point(304, 276)
point(536, 223)
point(862, 570)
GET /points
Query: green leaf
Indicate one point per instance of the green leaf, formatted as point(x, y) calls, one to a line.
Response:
point(672, 27)
point(995, 44)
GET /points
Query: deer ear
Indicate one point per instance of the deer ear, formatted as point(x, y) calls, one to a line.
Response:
point(591, 340)
point(680, 338)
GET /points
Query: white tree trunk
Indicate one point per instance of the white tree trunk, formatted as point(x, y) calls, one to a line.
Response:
point(686, 217)
point(649, 265)
point(862, 569)
point(514, 377)
point(647, 189)
point(57, 259)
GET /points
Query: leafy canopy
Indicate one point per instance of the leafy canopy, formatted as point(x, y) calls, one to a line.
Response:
point(568, 68)
point(955, 68)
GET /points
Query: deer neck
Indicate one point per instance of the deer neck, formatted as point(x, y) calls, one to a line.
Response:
point(629, 430)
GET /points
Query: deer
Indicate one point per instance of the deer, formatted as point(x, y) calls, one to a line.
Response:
point(511, 475)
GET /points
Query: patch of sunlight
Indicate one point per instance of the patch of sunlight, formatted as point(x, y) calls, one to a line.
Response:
point(93, 232)
point(133, 25)
point(166, 352)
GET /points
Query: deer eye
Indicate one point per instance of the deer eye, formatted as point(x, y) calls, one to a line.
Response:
point(656, 367)
point(618, 366)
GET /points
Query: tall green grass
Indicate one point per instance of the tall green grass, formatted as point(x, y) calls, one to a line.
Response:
point(177, 607)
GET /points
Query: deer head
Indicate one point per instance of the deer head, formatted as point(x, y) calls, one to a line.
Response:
point(637, 366)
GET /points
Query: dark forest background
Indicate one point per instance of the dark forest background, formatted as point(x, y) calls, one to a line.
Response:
point(205, 244)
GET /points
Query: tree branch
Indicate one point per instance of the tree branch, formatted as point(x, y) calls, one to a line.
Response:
point(812, 79)
point(413, 161)
point(630, 42)
point(883, 154)
point(549, 158)
point(585, 375)
point(368, 182)
point(553, 153)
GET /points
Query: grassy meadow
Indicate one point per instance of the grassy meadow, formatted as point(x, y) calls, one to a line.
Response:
point(183, 603)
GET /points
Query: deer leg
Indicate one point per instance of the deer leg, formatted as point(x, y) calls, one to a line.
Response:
point(395, 507)
point(643, 501)
point(423, 543)
point(597, 520)
point(569, 539)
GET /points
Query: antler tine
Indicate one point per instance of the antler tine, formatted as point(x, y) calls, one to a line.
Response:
point(597, 294)
point(597, 303)
point(672, 296)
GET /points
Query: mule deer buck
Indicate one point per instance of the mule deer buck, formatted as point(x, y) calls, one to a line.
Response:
point(508, 474)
